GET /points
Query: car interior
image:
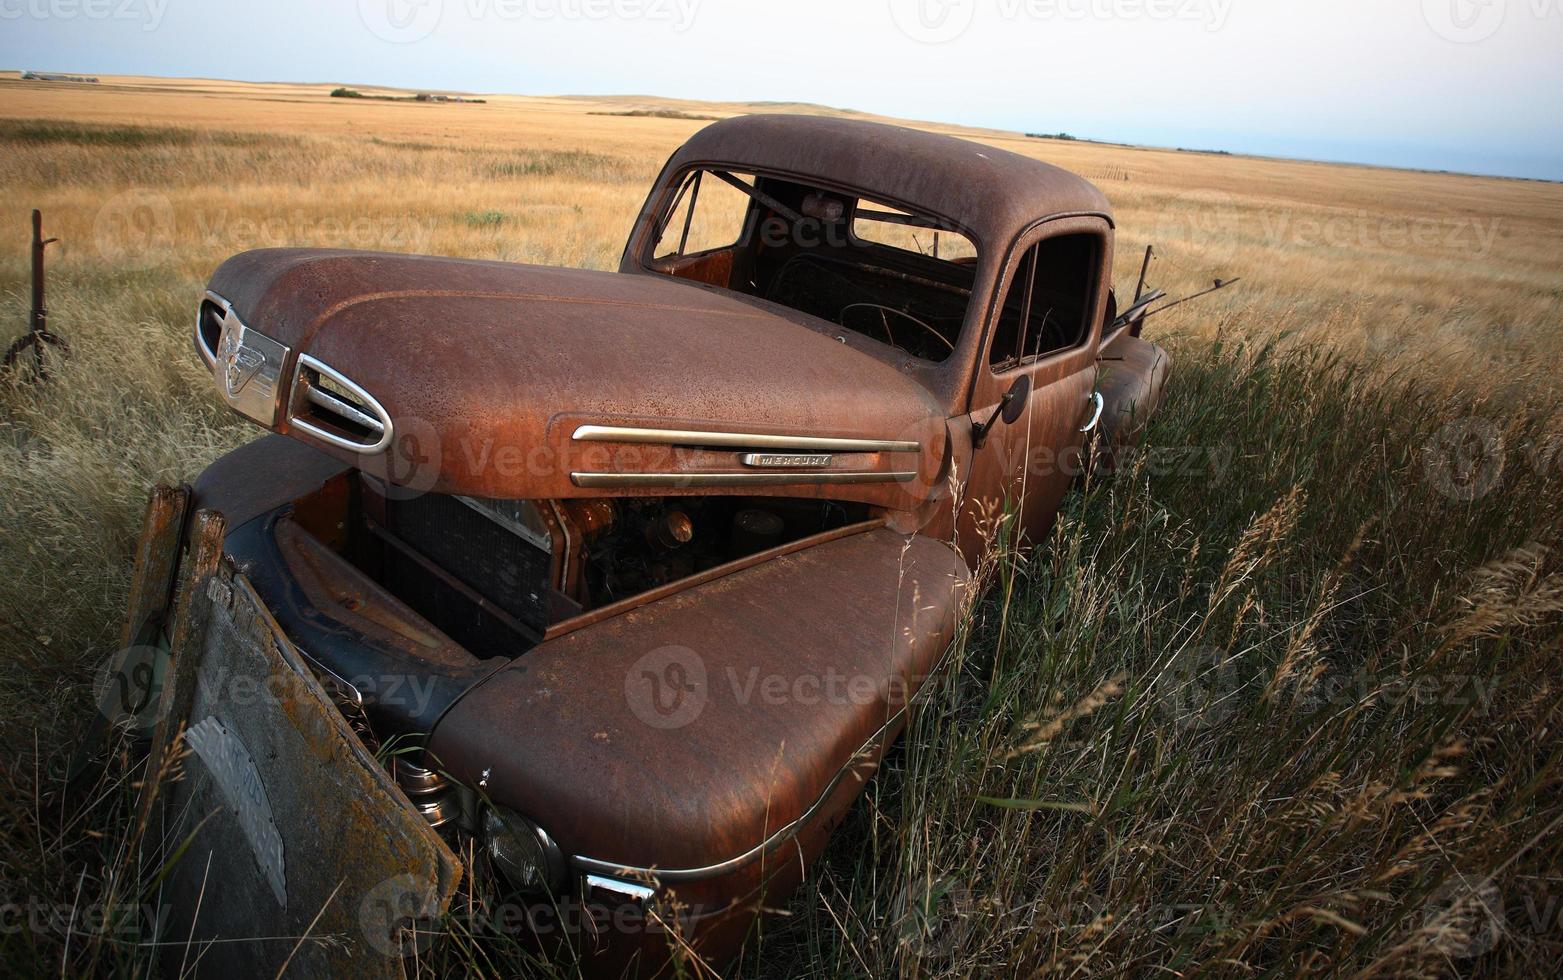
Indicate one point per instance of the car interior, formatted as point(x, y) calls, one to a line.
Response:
point(900, 278)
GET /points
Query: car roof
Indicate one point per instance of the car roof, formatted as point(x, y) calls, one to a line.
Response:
point(995, 194)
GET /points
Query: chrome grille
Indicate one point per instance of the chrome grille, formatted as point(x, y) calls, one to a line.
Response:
point(328, 405)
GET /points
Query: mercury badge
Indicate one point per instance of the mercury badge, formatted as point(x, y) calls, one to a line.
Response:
point(784, 461)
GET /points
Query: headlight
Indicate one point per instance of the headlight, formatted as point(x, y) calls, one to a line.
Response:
point(524, 853)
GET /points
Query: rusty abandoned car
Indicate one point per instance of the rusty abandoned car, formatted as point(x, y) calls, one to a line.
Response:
point(609, 589)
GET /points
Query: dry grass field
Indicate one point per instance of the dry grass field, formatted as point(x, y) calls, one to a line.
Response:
point(1281, 700)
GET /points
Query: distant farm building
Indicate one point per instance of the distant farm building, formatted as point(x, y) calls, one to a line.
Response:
point(38, 76)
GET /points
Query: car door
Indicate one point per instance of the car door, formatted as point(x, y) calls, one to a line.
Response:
point(1044, 325)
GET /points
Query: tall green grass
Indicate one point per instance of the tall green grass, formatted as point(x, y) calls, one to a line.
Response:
point(1291, 708)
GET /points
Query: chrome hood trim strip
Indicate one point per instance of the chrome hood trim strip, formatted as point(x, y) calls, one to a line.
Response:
point(779, 478)
point(738, 440)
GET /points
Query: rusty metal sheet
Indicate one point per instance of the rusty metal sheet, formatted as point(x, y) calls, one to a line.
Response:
point(156, 561)
point(990, 193)
point(488, 405)
point(685, 733)
point(299, 849)
point(197, 563)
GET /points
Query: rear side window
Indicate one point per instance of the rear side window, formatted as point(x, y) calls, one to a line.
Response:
point(1048, 308)
point(892, 227)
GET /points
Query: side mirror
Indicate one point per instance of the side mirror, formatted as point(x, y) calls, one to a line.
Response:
point(1011, 407)
point(1014, 403)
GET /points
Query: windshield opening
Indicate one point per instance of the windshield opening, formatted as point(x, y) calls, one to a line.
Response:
point(901, 278)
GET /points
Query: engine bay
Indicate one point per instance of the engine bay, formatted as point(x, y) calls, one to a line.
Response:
point(496, 575)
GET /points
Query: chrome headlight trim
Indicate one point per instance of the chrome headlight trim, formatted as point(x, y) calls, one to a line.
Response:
point(205, 351)
point(504, 829)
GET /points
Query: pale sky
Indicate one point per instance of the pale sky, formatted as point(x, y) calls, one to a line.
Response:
point(1471, 85)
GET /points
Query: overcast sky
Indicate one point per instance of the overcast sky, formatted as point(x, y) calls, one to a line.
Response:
point(1474, 85)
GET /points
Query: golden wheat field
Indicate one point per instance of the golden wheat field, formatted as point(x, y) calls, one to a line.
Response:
point(1445, 268)
point(1376, 306)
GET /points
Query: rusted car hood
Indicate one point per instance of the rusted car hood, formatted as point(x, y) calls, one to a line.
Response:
point(488, 369)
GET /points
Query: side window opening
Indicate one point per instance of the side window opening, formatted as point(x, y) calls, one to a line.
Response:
point(894, 228)
point(1048, 306)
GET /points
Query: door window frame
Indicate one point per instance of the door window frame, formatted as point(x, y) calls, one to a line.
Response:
point(991, 384)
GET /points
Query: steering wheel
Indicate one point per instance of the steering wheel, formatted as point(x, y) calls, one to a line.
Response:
point(889, 334)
